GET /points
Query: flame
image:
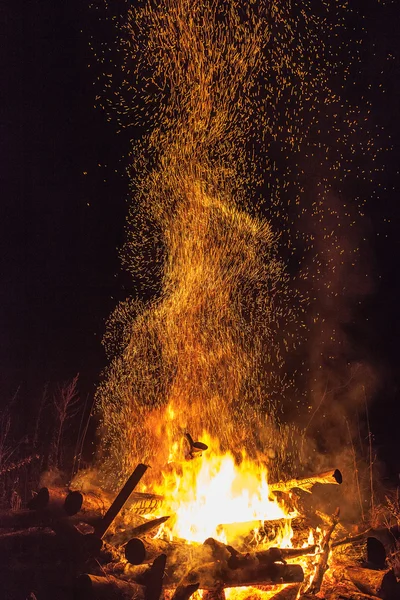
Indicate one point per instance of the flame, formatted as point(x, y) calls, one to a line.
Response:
point(217, 489)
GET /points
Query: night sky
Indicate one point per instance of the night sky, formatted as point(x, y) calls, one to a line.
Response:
point(63, 206)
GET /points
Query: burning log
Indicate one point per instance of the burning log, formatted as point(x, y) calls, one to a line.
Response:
point(121, 499)
point(217, 594)
point(375, 583)
point(289, 592)
point(322, 565)
point(143, 503)
point(93, 587)
point(368, 551)
point(236, 559)
point(211, 575)
point(138, 550)
point(305, 483)
point(124, 536)
point(243, 535)
point(184, 591)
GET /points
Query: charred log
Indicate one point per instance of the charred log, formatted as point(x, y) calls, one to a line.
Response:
point(120, 500)
point(155, 582)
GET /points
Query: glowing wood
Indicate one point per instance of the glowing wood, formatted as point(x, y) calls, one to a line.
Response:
point(322, 565)
point(305, 483)
point(211, 575)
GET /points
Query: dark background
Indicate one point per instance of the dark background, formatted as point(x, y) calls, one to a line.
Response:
point(63, 207)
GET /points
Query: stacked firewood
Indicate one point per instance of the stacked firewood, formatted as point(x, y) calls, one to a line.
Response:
point(68, 545)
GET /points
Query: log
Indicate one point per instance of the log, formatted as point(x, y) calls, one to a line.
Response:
point(147, 527)
point(22, 519)
point(24, 546)
point(185, 591)
point(144, 503)
point(235, 559)
point(290, 592)
point(93, 587)
point(122, 537)
point(242, 535)
point(120, 500)
point(57, 501)
point(211, 575)
point(155, 582)
point(145, 549)
point(138, 550)
point(217, 594)
point(74, 543)
point(306, 483)
point(375, 583)
point(365, 551)
point(135, 573)
point(322, 564)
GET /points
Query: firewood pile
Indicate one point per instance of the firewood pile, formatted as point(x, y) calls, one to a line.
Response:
point(74, 545)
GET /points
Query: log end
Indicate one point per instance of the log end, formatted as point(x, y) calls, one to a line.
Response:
point(73, 503)
point(40, 501)
point(337, 476)
point(135, 551)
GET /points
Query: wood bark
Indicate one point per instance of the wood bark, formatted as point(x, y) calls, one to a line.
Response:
point(211, 575)
point(118, 538)
point(322, 564)
point(235, 559)
point(376, 583)
point(93, 587)
point(142, 503)
point(154, 585)
point(120, 500)
point(185, 591)
point(306, 483)
point(365, 551)
point(139, 550)
point(289, 592)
